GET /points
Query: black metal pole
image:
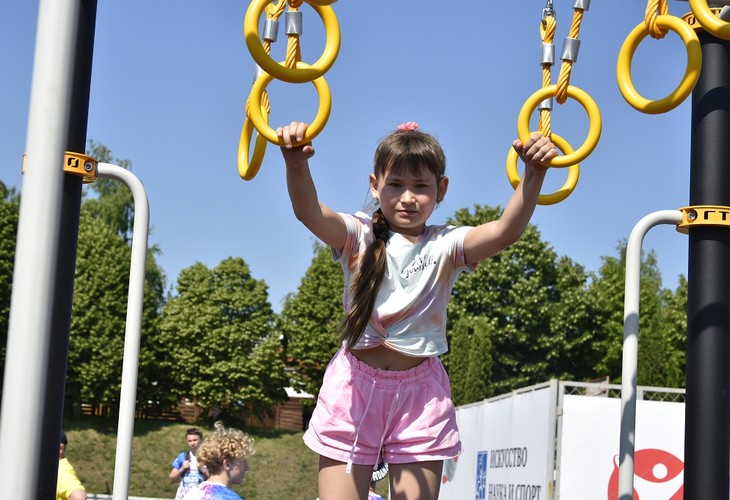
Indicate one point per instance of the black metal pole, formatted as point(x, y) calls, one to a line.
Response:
point(707, 410)
point(66, 264)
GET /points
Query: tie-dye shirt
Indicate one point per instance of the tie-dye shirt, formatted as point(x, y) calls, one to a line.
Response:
point(211, 491)
point(409, 315)
point(191, 477)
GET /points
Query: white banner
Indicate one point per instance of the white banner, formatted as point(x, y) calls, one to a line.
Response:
point(508, 443)
point(505, 450)
point(590, 443)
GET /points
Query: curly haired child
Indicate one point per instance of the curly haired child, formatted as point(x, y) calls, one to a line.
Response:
point(224, 454)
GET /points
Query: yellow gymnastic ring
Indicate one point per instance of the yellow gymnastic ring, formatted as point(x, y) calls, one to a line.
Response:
point(278, 70)
point(563, 192)
point(594, 125)
point(691, 73)
point(262, 125)
point(708, 20)
point(248, 169)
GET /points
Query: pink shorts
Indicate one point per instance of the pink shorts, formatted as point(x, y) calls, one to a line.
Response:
point(364, 412)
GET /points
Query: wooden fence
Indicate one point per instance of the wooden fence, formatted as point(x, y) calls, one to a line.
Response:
point(291, 415)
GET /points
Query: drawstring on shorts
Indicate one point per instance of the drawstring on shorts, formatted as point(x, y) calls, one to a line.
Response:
point(393, 405)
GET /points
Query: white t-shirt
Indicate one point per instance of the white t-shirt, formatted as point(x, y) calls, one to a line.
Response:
point(409, 315)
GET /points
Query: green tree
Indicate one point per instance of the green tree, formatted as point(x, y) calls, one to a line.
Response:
point(99, 310)
point(309, 320)
point(674, 331)
point(471, 359)
point(114, 203)
point(219, 342)
point(9, 207)
point(607, 291)
point(576, 330)
point(659, 362)
point(514, 291)
point(101, 295)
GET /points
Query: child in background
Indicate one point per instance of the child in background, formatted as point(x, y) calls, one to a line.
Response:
point(185, 466)
point(372, 494)
point(380, 473)
point(68, 485)
point(385, 393)
point(225, 456)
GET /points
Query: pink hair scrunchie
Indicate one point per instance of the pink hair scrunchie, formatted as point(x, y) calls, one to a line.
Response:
point(408, 126)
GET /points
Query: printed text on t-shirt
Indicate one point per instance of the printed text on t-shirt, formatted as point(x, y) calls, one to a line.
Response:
point(418, 264)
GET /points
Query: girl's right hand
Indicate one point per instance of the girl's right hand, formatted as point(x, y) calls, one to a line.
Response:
point(291, 133)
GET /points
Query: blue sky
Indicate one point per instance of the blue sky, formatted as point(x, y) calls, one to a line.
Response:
point(170, 80)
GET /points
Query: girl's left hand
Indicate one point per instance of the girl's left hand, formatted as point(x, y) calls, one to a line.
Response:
point(537, 151)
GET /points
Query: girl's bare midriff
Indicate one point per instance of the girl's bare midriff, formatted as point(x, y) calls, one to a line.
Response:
point(386, 359)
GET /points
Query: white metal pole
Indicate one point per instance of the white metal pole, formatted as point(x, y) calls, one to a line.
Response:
point(551, 440)
point(31, 308)
point(133, 331)
point(629, 370)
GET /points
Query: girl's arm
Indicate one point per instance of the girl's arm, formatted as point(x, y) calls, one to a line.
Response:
point(321, 220)
point(489, 239)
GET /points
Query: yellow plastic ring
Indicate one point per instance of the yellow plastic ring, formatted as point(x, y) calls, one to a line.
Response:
point(708, 20)
point(560, 194)
point(594, 123)
point(248, 169)
point(262, 125)
point(278, 70)
point(691, 73)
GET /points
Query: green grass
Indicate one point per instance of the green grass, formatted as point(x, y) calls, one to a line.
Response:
point(282, 467)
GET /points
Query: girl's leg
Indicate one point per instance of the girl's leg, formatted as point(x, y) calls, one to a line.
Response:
point(336, 484)
point(415, 481)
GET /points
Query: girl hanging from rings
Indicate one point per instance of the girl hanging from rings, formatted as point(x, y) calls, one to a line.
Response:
point(385, 393)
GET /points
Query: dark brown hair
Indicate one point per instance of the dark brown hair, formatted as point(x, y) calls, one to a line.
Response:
point(400, 151)
point(194, 431)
